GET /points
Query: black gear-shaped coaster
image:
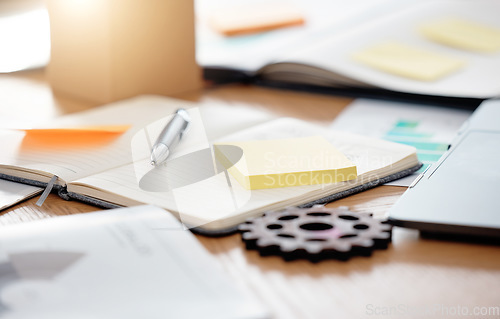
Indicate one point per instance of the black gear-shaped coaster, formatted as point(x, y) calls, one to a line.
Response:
point(315, 233)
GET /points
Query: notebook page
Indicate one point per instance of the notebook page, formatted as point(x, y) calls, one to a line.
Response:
point(71, 162)
point(220, 197)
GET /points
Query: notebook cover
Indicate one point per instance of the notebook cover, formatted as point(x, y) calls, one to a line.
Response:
point(64, 194)
point(321, 201)
point(226, 75)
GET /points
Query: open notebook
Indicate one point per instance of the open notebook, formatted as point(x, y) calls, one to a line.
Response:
point(118, 172)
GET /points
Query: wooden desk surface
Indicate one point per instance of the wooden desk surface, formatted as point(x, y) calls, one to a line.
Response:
point(415, 277)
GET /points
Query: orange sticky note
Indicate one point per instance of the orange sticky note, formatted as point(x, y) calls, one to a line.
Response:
point(72, 136)
point(255, 18)
point(104, 129)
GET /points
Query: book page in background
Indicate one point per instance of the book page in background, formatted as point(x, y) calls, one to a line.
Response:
point(476, 79)
point(221, 197)
point(125, 263)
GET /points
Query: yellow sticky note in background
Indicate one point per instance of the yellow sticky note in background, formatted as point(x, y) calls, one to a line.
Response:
point(286, 162)
point(407, 61)
point(463, 34)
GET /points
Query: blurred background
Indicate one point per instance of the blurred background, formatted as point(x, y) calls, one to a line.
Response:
point(25, 36)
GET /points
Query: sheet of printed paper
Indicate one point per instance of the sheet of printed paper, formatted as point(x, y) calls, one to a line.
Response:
point(12, 193)
point(126, 263)
point(429, 129)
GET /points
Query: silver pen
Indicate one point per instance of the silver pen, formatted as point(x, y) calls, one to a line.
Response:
point(170, 136)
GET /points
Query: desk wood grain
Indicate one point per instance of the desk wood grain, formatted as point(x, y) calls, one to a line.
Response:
point(414, 278)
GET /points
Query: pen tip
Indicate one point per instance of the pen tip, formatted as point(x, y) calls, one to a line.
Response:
point(153, 163)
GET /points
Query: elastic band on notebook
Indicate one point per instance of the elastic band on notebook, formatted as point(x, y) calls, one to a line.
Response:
point(47, 191)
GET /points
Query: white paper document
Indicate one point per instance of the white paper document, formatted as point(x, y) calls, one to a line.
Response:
point(429, 129)
point(126, 263)
point(12, 193)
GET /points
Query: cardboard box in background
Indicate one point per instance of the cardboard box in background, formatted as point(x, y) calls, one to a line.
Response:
point(108, 50)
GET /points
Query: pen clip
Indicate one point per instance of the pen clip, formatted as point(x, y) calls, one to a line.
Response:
point(185, 115)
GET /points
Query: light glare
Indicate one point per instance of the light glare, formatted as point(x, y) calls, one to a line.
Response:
point(24, 41)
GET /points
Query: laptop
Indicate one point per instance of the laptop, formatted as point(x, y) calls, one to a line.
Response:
point(460, 194)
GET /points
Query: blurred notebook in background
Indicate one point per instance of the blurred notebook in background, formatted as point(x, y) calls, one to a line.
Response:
point(401, 48)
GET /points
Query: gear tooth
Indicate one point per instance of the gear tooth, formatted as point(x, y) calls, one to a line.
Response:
point(385, 227)
point(265, 242)
point(245, 227)
point(390, 235)
point(383, 235)
point(289, 246)
point(290, 209)
point(367, 243)
point(249, 236)
point(314, 249)
point(341, 246)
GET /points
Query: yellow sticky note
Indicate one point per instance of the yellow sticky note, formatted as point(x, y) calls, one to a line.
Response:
point(285, 162)
point(463, 34)
point(407, 61)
